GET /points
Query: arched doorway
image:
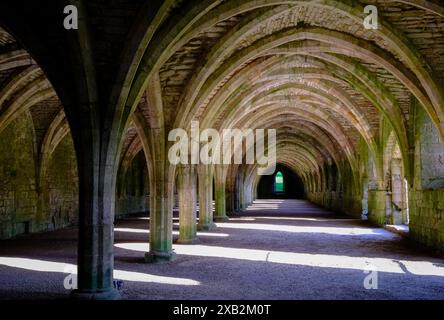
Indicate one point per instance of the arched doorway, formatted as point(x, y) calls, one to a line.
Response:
point(283, 184)
point(279, 186)
point(397, 210)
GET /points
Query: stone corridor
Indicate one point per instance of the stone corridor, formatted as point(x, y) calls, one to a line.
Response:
point(191, 113)
point(276, 249)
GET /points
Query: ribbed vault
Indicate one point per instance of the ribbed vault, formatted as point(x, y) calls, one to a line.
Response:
point(344, 100)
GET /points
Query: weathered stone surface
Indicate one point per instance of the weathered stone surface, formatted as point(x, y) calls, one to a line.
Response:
point(85, 116)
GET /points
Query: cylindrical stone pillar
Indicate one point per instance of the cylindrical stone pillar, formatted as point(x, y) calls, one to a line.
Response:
point(205, 198)
point(161, 228)
point(220, 214)
point(96, 235)
point(187, 204)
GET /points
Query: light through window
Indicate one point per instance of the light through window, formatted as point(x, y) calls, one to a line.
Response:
point(279, 182)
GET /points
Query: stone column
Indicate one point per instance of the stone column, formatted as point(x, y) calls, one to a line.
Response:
point(242, 201)
point(364, 203)
point(161, 203)
point(187, 204)
point(235, 193)
point(205, 198)
point(161, 227)
point(397, 191)
point(229, 201)
point(248, 195)
point(220, 214)
point(95, 256)
point(96, 220)
point(377, 206)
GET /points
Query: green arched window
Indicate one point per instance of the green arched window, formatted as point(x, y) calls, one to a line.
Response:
point(279, 182)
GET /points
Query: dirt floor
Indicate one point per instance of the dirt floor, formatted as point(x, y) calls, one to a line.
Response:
point(277, 249)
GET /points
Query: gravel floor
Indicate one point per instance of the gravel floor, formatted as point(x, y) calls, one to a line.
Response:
point(277, 249)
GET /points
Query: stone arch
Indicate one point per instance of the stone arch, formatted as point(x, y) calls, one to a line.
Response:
point(395, 182)
point(59, 200)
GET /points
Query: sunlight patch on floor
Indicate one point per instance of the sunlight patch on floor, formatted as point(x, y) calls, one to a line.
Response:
point(59, 267)
point(423, 268)
point(148, 218)
point(145, 231)
point(291, 218)
point(352, 231)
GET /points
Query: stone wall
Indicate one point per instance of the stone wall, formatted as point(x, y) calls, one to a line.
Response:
point(425, 194)
point(24, 207)
point(377, 200)
point(133, 188)
point(60, 189)
point(426, 198)
point(346, 204)
point(18, 197)
point(427, 217)
point(339, 194)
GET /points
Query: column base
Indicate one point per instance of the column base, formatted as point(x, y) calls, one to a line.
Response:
point(207, 227)
point(159, 256)
point(221, 219)
point(187, 241)
point(111, 294)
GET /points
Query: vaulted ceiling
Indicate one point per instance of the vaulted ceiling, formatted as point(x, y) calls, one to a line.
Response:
point(306, 68)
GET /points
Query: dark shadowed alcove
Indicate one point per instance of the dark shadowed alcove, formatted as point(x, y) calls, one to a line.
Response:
point(284, 183)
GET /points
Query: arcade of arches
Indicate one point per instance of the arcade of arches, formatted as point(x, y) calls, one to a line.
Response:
point(85, 116)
